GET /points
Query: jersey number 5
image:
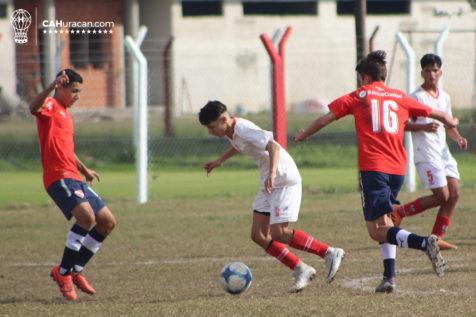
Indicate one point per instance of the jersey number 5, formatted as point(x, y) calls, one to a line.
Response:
point(389, 116)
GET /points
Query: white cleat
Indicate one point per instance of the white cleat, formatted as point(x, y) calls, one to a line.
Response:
point(433, 253)
point(333, 260)
point(303, 275)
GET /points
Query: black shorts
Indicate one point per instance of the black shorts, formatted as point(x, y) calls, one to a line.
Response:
point(67, 193)
point(379, 193)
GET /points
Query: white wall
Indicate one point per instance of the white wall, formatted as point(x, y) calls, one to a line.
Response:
point(221, 57)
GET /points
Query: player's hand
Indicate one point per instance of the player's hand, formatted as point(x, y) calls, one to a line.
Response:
point(209, 166)
point(462, 143)
point(61, 80)
point(299, 136)
point(90, 176)
point(269, 183)
point(431, 127)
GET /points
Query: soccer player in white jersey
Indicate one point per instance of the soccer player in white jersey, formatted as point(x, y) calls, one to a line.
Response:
point(278, 200)
point(436, 166)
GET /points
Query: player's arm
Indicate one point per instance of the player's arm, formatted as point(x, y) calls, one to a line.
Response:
point(446, 119)
point(453, 133)
point(428, 127)
point(273, 149)
point(315, 126)
point(36, 104)
point(209, 166)
point(89, 174)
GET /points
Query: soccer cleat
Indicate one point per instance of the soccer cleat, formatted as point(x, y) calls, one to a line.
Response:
point(396, 217)
point(433, 253)
point(333, 260)
point(80, 281)
point(386, 286)
point(303, 275)
point(65, 283)
point(446, 245)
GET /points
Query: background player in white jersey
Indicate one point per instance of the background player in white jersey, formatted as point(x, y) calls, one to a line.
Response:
point(436, 166)
point(278, 200)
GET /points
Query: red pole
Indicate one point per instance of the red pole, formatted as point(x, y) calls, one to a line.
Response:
point(168, 107)
point(279, 104)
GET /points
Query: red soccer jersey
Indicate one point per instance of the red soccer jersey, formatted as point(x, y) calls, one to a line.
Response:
point(55, 135)
point(380, 115)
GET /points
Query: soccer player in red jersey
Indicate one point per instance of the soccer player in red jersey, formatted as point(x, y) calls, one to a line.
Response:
point(75, 198)
point(380, 115)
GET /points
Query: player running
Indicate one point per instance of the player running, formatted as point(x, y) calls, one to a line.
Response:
point(380, 115)
point(436, 166)
point(278, 200)
point(61, 179)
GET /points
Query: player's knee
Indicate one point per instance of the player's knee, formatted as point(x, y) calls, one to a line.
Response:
point(442, 196)
point(258, 237)
point(276, 233)
point(454, 195)
point(86, 221)
point(374, 235)
point(107, 225)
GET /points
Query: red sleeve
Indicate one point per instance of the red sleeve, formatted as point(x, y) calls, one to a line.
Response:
point(343, 106)
point(46, 109)
point(416, 109)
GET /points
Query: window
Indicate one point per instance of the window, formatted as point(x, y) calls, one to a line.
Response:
point(375, 7)
point(87, 49)
point(200, 8)
point(280, 7)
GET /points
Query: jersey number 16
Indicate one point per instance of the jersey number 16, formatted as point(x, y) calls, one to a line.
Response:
point(389, 116)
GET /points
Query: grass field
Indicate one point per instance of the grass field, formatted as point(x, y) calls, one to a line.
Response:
point(164, 257)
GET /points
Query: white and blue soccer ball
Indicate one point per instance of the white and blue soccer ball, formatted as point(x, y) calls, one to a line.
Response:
point(236, 277)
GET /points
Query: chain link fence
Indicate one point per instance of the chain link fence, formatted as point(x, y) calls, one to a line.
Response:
point(237, 74)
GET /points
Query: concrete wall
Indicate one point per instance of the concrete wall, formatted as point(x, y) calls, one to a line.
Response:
point(8, 82)
point(221, 57)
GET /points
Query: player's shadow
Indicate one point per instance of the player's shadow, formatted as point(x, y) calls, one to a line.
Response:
point(55, 301)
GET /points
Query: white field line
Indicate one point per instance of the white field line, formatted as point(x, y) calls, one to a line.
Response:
point(362, 284)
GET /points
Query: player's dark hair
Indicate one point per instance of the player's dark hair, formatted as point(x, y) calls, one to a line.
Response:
point(211, 111)
point(73, 76)
point(373, 65)
point(430, 59)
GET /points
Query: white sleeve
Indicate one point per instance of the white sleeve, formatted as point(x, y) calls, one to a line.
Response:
point(448, 105)
point(257, 137)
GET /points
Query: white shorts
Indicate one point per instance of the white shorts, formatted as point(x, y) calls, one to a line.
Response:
point(282, 204)
point(433, 175)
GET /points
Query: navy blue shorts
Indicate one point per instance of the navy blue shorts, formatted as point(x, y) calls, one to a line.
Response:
point(67, 193)
point(379, 193)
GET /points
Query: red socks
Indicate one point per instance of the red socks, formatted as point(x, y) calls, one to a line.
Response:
point(303, 241)
point(441, 224)
point(280, 252)
point(410, 209)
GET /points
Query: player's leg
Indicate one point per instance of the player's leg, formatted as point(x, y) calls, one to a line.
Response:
point(379, 192)
point(446, 210)
point(433, 177)
point(105, 223)
point(69, 197)
point(381, 232)
point(260, 234)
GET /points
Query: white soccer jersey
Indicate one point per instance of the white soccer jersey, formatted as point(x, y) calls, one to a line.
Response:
point(251, 140)
point(429, 147)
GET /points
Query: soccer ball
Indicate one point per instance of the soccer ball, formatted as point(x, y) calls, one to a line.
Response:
point(235, 277)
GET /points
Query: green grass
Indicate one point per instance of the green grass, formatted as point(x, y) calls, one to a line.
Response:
point(25, 188)
point(164, 257)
